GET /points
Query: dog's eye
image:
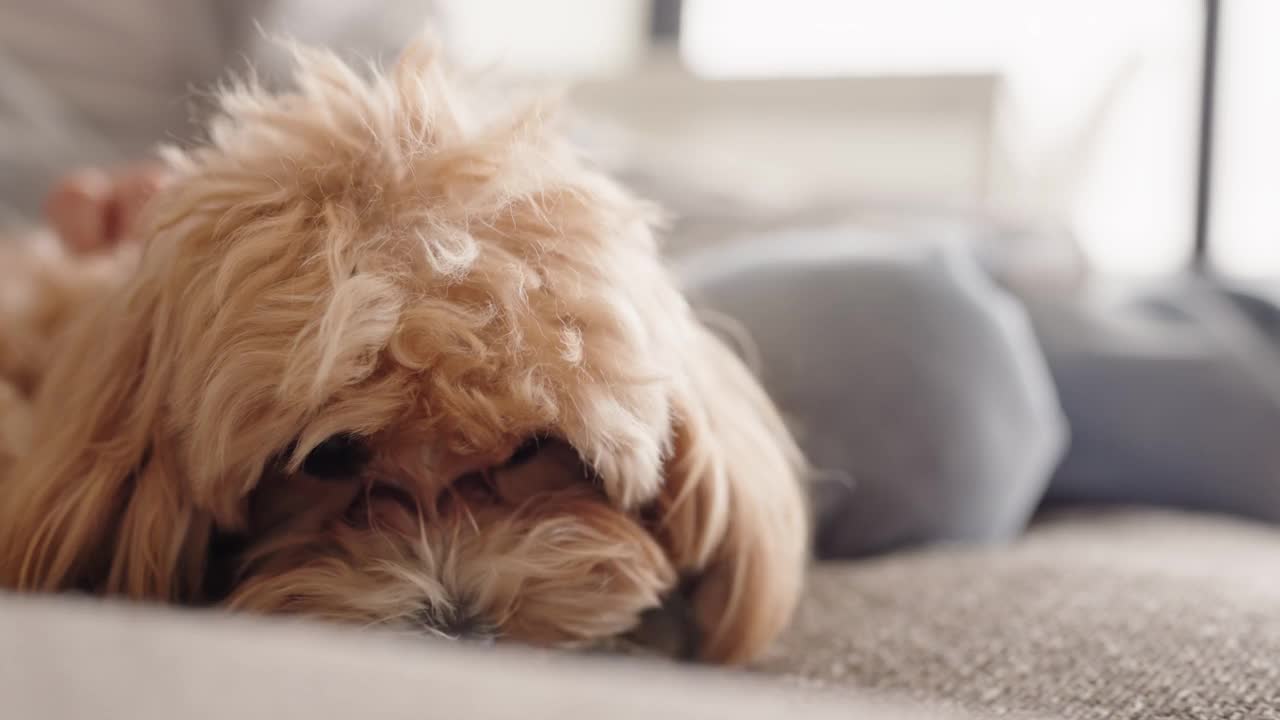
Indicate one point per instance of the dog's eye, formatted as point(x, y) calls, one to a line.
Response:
point(527, 451)
point(341, 456)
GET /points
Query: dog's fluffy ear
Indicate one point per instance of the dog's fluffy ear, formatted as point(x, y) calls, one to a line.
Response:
point(15, 426)
point(732, 513)
point(91, 504)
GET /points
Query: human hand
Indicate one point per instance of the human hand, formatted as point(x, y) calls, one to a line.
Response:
point(93, 209)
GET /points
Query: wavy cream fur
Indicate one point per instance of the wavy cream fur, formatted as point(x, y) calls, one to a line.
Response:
point(363, 256)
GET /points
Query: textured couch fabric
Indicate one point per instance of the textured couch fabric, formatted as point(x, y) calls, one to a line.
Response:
point(1101, 614)
point(1104, 614)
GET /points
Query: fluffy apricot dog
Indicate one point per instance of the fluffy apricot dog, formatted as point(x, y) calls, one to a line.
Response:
point(380, 360)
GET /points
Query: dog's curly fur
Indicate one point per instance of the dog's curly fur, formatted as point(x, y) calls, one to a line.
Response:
point(313, 388)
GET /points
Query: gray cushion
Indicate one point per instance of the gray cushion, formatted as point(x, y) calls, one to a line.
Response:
point(915, 386)
point(1173, 395)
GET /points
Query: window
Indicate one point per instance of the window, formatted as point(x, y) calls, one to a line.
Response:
point(1094, 118)
point(548, 38)
point(1244, 211)
point(1097, 121)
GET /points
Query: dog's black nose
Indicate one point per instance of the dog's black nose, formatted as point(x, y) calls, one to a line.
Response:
point(463, 628)
point(477, 638)
point(471, 631)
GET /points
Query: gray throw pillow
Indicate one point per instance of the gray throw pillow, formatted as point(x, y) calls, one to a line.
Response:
point(1173, 395)
point(915, 386)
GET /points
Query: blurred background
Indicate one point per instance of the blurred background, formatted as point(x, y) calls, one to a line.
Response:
point(1076, 122)
point(1071, 130)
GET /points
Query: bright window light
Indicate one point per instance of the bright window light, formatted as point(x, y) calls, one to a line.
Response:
point(1244, 225)
point(839, 37)
point(1099, 117)
point(555, 38)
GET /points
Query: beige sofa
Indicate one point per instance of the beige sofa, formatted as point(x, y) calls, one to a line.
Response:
point(69, 659)
point(1098, 614)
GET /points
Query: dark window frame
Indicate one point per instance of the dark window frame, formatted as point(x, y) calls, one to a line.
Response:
point(664, 21)
point(1208, 109)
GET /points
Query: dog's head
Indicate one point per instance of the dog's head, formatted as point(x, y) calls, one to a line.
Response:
point(385, 363)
